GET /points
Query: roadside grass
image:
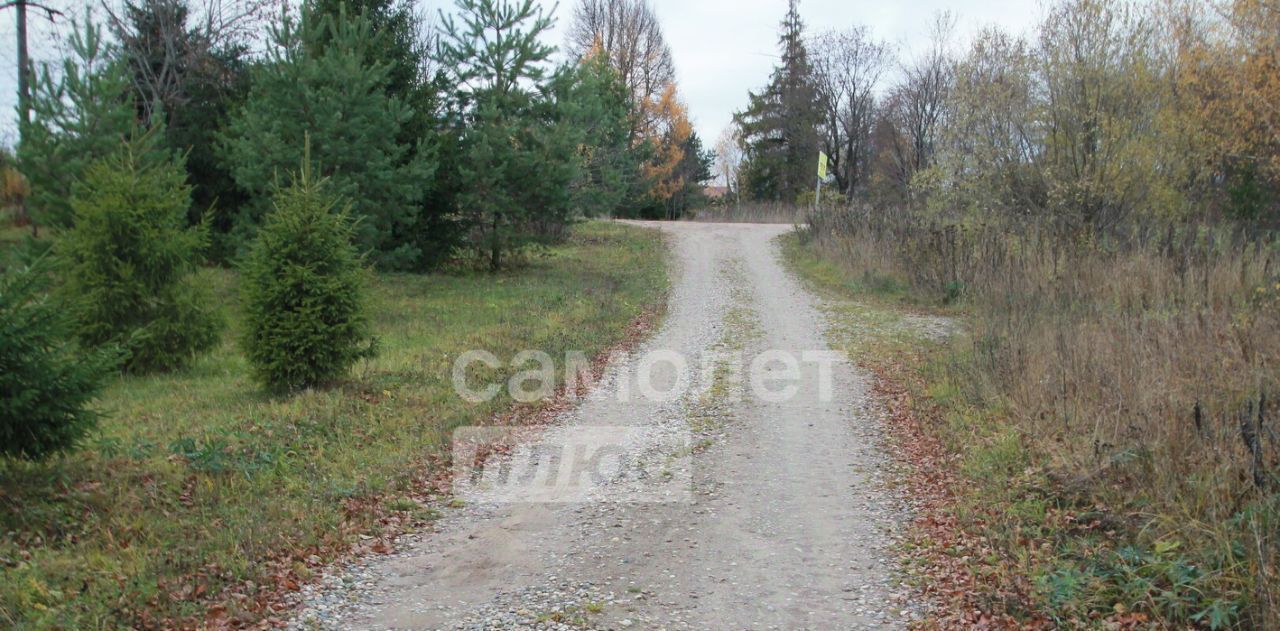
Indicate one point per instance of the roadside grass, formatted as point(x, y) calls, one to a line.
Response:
point(1092, 419)
point(867, 316)
point(828, 275)
point(200, 497)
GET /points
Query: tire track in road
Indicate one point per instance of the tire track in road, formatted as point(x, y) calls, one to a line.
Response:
point(785, 522)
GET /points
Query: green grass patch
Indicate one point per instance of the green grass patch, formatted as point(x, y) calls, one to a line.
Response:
point(11, 234)
point(864, 320)
point(198, 481)
point(828, 275)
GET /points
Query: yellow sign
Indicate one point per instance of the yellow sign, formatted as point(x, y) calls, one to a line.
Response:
point(822, 165)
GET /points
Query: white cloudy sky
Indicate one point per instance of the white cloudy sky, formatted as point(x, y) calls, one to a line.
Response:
point(722, 48)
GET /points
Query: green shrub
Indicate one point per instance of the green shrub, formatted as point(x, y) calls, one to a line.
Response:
point(305, 321)
point(128, 261)
point(45, 384)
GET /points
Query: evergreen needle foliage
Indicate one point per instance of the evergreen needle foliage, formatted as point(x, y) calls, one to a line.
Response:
point(77, 119)
point(305, 322)
point(518, 162)
point(45, 384)
point(128, 258)
point(779, 126)
point(318, 80)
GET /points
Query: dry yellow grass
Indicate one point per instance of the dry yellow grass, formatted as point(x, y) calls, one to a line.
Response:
point(1136, 373)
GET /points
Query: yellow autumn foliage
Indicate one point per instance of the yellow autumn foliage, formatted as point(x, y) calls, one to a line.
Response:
point(1232, 70)
point(667, 128)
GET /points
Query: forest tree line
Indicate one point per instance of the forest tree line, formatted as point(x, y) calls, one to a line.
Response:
point(452, 136)
point(1107, 109)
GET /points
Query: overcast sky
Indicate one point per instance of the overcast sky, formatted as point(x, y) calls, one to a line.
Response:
point(722, 48)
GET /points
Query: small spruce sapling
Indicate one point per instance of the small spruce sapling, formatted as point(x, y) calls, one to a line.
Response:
point(302, 285)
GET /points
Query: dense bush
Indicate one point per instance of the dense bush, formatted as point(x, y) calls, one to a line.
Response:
point(45, 384)
point(305, 321)
point(127, 262)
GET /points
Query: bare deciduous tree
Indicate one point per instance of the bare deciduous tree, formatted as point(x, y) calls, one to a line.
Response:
point(916, 106)
point(848, 66)
point(728, 151)
point(168, 41)
point(628, 33)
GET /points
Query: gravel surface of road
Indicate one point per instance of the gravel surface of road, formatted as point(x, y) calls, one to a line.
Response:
point(755, 510)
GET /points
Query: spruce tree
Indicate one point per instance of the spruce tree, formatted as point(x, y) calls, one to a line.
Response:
point(336, 95)
point(302, 284)
point(46, 383)
point(780, 125)
point(695, 171)
point(127, 261)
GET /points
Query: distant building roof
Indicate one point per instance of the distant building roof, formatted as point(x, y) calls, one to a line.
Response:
point(715, 192)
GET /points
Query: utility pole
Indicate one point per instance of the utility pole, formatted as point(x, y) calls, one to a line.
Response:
point(24, 79)
point(24, 59)
point(24, 84)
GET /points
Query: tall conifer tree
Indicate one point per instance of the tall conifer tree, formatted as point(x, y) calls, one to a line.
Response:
point(780, 125)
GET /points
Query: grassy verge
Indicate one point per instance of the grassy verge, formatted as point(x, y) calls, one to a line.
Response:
point(946, 453)
point(1057, 484)
point(200, 498)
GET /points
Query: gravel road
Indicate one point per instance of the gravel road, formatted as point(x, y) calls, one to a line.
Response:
point(770, 512)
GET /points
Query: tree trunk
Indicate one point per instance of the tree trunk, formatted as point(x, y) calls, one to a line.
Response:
point(495, 247)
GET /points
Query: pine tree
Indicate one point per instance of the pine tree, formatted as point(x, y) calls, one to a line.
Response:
point(393, 42)
point(517, 163)
point(128, 258)
point(305, 322)
point(77, 119)
point(398, 42)
point(780, 125)
point(592, 100)
point(46, 384)
point(333, 93)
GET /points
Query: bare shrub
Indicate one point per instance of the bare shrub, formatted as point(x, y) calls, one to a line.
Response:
point(751, 212)
point(1137, 362)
